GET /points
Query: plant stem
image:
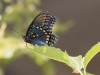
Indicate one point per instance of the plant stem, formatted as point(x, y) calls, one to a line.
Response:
point(84, 71)
point(1, 71)
point(80, 72)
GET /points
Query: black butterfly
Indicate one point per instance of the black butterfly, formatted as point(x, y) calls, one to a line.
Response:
point(39, 32)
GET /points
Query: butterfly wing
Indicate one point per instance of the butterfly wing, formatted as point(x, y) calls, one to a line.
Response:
point(41, 37)
point(45, 40)
point(40, 30)
point(45, 20)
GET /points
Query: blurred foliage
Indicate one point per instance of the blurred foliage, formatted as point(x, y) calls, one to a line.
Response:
point(18, 14)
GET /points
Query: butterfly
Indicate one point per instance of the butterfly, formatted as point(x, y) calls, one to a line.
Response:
point(39, 33)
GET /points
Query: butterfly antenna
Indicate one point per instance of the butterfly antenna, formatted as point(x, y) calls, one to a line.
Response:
point(16, 31)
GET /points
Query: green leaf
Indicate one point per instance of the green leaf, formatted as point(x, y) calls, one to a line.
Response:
point(75, 63)
point(90, 54)
point(51, 52)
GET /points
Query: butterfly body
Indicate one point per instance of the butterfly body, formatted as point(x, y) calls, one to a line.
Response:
point(39, 32)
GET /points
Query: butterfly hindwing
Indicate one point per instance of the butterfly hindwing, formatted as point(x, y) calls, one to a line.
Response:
point(45, 40)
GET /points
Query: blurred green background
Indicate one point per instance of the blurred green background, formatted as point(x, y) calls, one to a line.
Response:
point(77, 29)
point(18, 14)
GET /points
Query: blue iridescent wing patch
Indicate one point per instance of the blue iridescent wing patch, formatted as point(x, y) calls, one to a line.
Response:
point(39, 32)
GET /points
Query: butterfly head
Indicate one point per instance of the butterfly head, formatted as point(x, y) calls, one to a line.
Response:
point(27, 39)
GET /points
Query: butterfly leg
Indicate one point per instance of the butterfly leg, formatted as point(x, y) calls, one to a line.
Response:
point(26, 45)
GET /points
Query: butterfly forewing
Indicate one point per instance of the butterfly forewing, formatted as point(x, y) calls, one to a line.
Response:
point(44, 19)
